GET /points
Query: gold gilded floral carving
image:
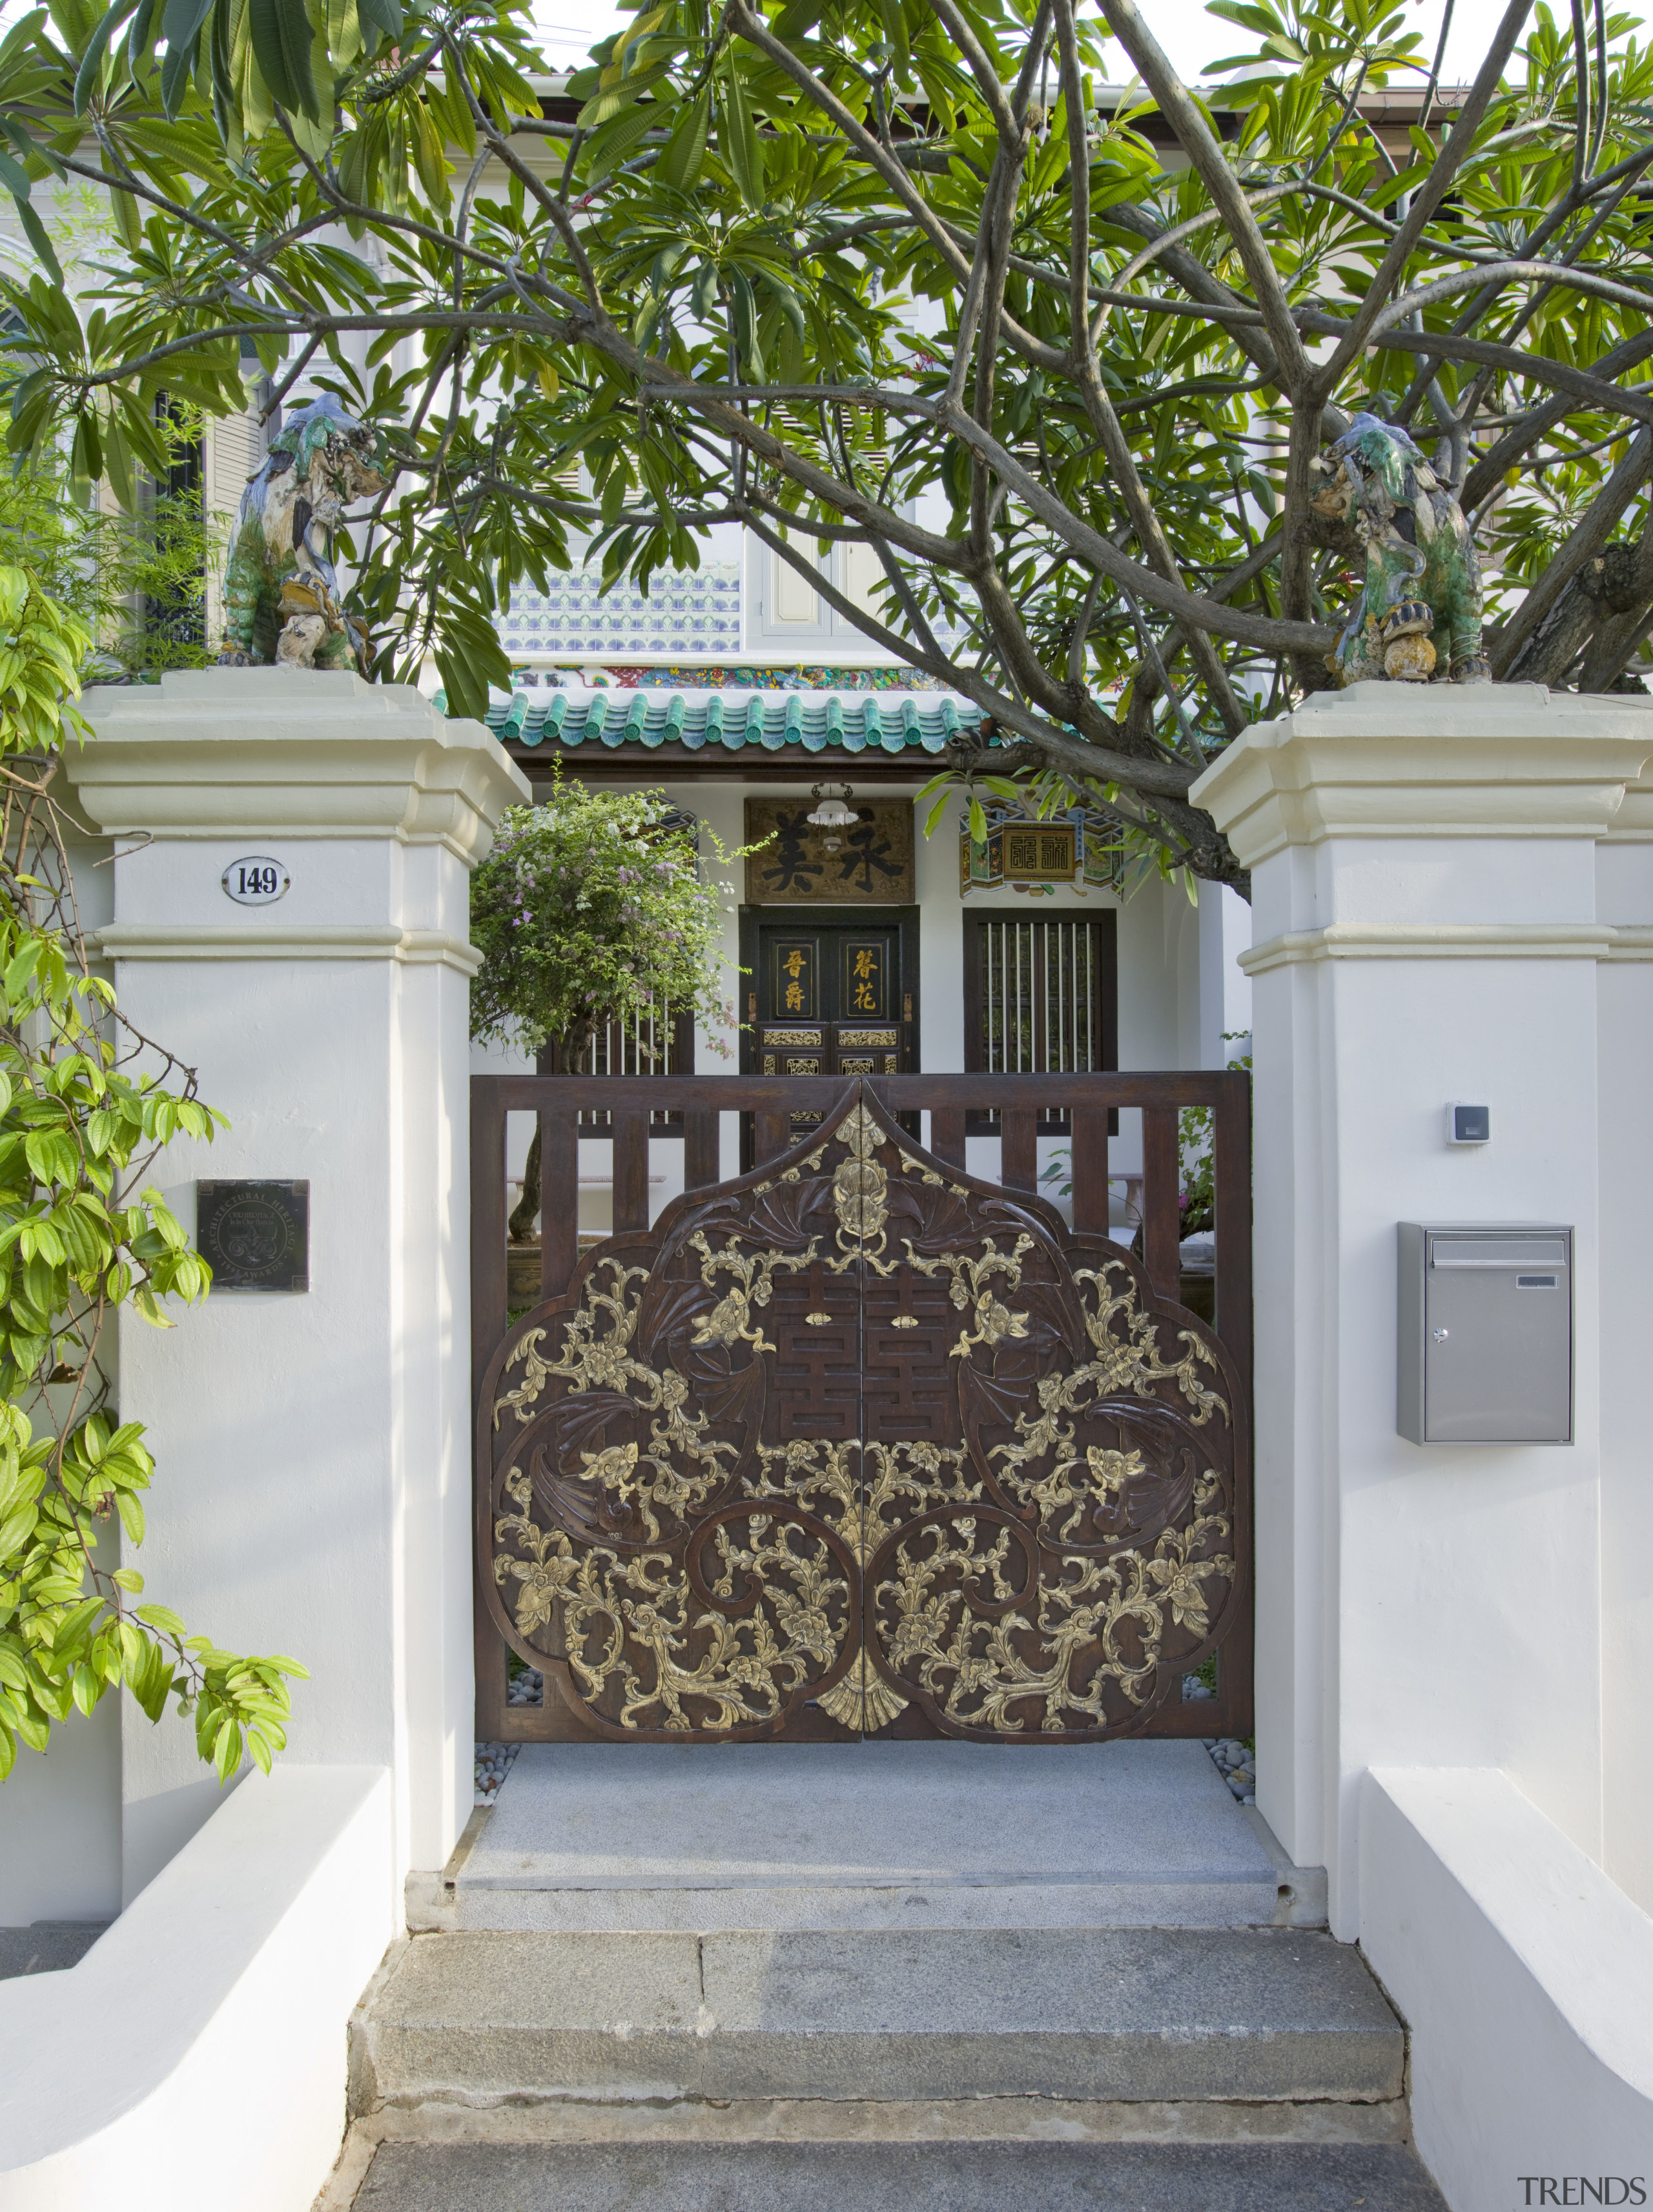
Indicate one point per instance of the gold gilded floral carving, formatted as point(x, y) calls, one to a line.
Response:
point(972, 1280)
point(754, 1274)
point(1032, 1534)
point(862, 1700)
point(629, 1623)
point(987, 1650)
point(1132, 1360)
point(859, 1184)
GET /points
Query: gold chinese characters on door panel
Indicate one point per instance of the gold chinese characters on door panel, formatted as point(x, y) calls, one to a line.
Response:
point(796, 986)
point(801, 864)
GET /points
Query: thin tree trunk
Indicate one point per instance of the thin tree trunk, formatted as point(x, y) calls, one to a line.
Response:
point(523, 1214)
point(556, 1056)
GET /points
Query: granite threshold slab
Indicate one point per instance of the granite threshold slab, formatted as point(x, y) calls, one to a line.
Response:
point(638, 1837)
point(1044, 2177)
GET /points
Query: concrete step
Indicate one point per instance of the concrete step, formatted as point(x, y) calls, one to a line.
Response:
point(877, 1835)
point(934, 2176)
point(1090, 2013)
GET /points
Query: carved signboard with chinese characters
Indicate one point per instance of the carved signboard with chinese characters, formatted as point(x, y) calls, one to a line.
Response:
point(801, 864)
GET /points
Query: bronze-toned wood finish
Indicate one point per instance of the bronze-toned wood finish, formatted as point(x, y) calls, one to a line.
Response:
point(859, 1444)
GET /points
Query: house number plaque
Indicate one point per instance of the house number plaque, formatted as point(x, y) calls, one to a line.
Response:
point(256, 879)
point(255, 1235)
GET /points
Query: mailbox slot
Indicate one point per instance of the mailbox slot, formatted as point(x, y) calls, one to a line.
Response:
point(1486, 1333)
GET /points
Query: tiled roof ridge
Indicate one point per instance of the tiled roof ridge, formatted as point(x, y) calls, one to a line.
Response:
point(813, 721)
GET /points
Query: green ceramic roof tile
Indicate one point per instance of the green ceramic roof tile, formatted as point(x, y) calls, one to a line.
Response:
point(814, 722)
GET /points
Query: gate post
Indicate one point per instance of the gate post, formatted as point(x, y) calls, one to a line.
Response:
point(1426, 929)
point(313, 1482)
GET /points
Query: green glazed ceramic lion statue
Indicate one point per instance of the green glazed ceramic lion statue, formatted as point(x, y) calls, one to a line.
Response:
point(281, 586)
point(1420, 613)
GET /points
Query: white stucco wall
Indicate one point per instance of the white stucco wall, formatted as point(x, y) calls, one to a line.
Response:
point(1624, 1029)
point(217, 2007)
point(1453, 902)
point(1426, 924)
point(312, 1485)
point(1522, 1972)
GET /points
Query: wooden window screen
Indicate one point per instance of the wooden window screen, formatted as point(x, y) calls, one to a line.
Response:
point(1039, 999)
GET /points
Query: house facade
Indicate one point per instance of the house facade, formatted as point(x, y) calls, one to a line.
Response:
point(867, 946)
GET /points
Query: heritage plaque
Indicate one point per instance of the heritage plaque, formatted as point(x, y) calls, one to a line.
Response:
point(869, 863)
point(255, 1235)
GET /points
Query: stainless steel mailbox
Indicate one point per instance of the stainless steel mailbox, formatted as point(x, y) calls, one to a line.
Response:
point(1486, 1333)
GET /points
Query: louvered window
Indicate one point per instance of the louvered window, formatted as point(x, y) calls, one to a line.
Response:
point(1040, 997)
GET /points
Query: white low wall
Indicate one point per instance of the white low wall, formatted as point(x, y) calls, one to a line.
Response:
point(1526, 1978)
point(196, 2058)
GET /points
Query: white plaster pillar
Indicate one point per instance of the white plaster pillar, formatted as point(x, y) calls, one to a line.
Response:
point(1425, 928)
point(1624, 984)
point(311, 1491)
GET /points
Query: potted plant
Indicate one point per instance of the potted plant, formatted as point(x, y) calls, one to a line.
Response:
point(591, 908)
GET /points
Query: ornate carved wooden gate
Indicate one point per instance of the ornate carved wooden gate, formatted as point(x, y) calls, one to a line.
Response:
point(855, 1445)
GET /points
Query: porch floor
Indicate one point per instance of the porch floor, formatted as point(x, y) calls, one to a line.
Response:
point(900, 1835)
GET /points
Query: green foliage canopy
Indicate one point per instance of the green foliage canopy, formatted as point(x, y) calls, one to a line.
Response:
point(591, 908)
point(897, 275)
point(135, 579)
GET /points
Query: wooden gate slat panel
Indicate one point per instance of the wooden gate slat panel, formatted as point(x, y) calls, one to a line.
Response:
point(858, 1444)
point(1161, 1223)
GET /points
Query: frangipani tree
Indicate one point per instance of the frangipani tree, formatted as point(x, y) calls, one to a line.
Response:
point(886, 273)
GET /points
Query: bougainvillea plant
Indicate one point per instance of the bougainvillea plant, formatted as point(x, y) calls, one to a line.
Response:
point(592, 909)
point(86, 1103)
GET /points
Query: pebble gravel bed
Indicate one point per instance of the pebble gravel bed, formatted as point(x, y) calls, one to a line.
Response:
point(496, 1761)
point(1236, 1766)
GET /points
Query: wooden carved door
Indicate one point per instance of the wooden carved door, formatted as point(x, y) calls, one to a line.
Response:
point(857, 1445)
point(829, 999)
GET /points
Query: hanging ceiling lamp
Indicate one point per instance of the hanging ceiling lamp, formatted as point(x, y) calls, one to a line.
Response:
point(830, 812)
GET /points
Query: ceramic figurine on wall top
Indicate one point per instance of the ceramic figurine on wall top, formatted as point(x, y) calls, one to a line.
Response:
point(281, 587)
point(1419, 612)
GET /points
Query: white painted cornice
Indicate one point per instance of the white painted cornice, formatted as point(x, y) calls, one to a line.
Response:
point(142, 940)
point(1633, 822)
point(1402, 760)
point(258, 752)
point(1445, 940)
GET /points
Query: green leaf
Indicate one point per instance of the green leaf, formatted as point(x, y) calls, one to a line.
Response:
point(34, 231)
point(742, 148)
point(281, 45)
point(162, 1617)
point(180, 26)
point(227, 1750)
point(685, 154)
